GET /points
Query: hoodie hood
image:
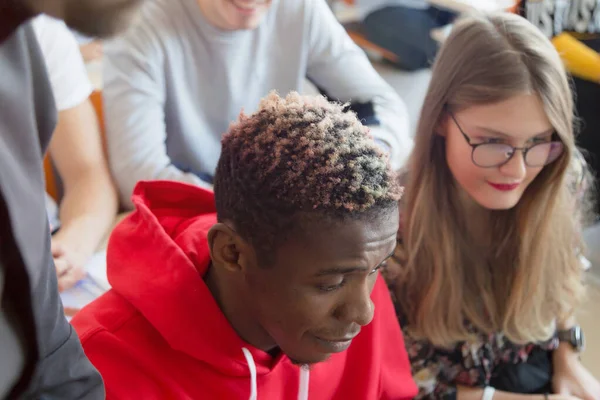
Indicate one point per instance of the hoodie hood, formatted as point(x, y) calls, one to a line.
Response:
point(158, 257)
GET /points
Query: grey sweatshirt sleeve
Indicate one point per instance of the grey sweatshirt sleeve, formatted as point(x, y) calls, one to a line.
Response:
point(134, 100)
point(63, 370)
point(341, 68)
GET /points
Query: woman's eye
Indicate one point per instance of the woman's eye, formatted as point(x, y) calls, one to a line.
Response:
point(491, 140)
point(541, 140)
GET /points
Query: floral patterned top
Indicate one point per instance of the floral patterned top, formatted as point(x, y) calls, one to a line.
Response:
point(438, 371)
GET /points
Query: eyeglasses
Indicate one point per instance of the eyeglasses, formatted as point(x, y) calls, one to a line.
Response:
point(490, 155)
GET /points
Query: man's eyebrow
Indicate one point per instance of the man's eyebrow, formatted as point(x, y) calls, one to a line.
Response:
point(349, 270)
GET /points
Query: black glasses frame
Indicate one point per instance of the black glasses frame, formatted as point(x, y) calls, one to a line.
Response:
point(524, 150)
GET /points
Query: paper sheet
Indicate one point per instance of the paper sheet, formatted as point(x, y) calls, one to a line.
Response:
point(89, 288)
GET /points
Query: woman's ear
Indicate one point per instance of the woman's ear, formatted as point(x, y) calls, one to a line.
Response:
point(226, 247)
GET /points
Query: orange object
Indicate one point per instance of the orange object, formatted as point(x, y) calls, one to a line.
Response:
point(515, 8)
point(51, 185)
point(96, 99)
point(582, 61)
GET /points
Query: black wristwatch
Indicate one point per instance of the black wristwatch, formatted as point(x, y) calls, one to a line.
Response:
point(574, 337)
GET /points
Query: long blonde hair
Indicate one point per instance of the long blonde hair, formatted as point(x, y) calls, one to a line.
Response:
point(533, 276)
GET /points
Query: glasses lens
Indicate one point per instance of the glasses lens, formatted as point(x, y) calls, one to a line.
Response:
point(543, 154)
point(492, 154)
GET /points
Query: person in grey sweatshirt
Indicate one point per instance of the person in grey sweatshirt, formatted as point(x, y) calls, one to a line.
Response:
point(40, 354)
point(175, 81)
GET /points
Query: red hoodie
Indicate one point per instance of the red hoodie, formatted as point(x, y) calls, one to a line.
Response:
point(159, 334)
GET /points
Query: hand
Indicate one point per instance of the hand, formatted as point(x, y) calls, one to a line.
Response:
point(571, 378)
point(68, 269)
point(70, 311)
point(91, 51)
point(562, 397)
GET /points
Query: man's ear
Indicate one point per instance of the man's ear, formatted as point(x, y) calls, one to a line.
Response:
point(227, 248)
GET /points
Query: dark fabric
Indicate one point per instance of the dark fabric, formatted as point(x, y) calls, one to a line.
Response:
point(587, 102)
point(531, 377)
point(365, 112)
point(14, 350)
point(407, 33)
point(56, 367)
point(12, 14)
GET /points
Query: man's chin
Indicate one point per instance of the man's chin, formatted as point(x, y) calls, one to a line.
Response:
point(310, 360)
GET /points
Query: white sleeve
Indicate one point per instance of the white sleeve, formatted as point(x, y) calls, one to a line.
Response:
point(66, 69)
point(338, 66)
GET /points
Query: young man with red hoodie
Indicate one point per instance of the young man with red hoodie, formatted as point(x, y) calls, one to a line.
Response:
point(268, 290)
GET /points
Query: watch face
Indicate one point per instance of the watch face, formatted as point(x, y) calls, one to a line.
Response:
point(574, 337)
point(578, 339)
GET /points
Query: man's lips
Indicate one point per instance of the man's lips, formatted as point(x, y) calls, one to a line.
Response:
point(335, 345)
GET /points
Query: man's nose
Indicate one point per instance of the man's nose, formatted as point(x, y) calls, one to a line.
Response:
point(358, 307)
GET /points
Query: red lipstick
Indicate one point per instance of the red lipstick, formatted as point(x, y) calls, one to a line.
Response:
point(504, 187)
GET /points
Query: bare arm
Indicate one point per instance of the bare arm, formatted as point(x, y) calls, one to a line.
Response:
point(465, 393)
point(89, 205)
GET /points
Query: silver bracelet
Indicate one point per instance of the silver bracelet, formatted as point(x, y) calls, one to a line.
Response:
point(488, 393)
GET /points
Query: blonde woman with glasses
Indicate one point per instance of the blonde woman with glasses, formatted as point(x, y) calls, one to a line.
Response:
point(487, 273)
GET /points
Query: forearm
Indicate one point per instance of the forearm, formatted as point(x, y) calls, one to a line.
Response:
point(87, 212)
point(466, 393)
point(565, 351)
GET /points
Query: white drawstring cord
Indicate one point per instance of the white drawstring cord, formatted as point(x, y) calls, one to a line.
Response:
point(303, 384)
point(252, 368)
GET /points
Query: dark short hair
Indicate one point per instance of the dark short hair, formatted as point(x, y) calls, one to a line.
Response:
point(298, 157)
